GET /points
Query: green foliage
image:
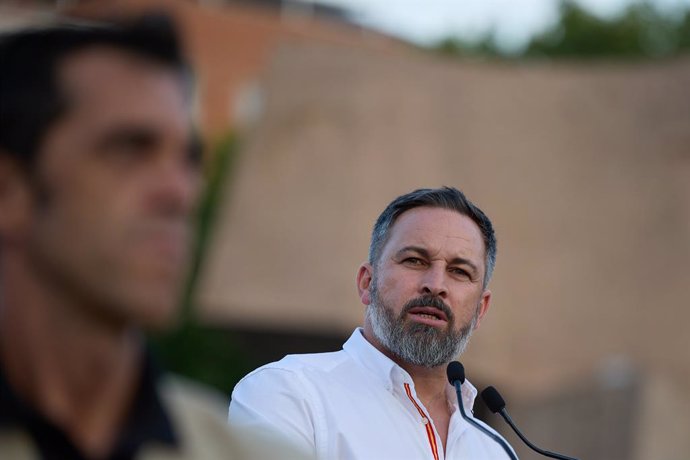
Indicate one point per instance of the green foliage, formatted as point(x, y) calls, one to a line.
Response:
point(200, 352)
point(203, 353)
point(640, 32)
point(218, 173)
point(452, 46)
point(684, 32)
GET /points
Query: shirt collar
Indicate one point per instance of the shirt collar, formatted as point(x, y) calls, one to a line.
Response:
point(146, 422)
point(391, 375)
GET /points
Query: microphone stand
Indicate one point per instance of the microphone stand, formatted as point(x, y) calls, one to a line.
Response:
point(493, 400)
point(504, 413)
point(458, 390)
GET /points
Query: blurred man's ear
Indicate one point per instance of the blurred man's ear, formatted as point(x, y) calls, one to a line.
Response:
point(14, 199)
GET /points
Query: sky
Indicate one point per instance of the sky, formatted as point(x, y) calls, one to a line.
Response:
point(512, 21)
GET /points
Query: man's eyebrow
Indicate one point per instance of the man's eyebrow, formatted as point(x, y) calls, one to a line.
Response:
point(416, 249)
point(463, 261)
point(424, 253)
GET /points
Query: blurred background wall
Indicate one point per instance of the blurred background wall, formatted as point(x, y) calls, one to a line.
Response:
point(577, 145)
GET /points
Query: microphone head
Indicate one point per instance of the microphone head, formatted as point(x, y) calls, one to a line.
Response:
point(455, 371)
point(493, 400)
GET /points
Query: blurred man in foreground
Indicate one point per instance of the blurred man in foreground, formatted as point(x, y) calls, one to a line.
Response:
point(386, 394)
point(99, 177)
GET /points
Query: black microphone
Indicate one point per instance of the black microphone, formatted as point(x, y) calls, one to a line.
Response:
point(456, 376)
point(455, 372)
point(493, 400)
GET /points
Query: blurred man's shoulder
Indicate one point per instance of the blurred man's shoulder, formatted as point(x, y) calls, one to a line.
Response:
point(198, 416)
point(185, 397)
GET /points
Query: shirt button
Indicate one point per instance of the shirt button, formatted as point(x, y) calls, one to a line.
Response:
point(425, 421)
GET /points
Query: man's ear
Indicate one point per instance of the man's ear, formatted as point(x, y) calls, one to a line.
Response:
point(483, 306)
point(15, 198)
point(364, 277)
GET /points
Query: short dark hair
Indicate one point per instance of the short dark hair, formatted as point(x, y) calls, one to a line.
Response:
point(444, 197)
point(30, 97)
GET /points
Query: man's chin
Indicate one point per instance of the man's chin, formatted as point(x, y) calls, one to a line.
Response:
point(150, 309)
point(157, 317)
point(415, 328)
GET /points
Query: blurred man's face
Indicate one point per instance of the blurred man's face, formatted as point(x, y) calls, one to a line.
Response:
point(114, 188)
point(426, 295)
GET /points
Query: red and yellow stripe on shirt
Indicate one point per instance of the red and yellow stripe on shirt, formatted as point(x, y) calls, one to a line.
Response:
point(429, 429)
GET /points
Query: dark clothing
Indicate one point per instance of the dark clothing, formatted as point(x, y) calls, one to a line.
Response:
point(147, 421)
point(169, 419)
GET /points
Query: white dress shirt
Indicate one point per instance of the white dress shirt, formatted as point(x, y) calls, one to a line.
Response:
point(353, 404)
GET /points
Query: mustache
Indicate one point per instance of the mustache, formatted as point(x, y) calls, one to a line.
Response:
point(428, 301)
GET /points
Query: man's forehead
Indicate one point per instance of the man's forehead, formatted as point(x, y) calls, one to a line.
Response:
point(424, 226)
point(108, 85)
point(87, 71)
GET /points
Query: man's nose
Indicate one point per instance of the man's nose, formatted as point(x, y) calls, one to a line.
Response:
point(434, 281)
point(176, 188)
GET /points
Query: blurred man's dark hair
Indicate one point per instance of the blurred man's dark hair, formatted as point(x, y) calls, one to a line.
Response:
point(31, 98)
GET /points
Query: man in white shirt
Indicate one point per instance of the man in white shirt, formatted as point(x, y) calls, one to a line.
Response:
point(386, 394)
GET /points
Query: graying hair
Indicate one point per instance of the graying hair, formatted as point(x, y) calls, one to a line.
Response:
point(446, 198)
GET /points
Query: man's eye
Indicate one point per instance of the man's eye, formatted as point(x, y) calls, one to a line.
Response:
point(460, 272)
point(129, 144)
point(413, 261)
point(134, 145)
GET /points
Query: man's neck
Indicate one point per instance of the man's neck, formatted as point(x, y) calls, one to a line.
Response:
point(430, 382)
point(76, 370)
point(430, 386)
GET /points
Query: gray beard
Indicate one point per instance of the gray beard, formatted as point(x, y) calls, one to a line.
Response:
point(414, 343)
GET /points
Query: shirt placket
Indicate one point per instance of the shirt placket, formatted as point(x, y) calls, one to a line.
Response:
point(432, 439)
